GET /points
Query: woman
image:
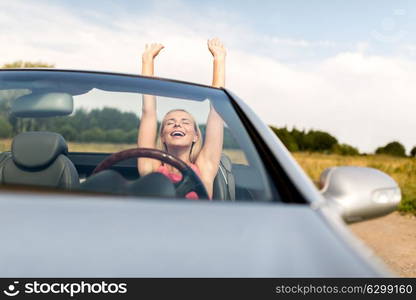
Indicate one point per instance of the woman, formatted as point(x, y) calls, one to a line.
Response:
point(179, 134)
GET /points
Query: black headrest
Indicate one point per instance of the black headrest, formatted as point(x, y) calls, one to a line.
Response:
point(37, 149)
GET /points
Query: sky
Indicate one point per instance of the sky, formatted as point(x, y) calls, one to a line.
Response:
point(345, 67)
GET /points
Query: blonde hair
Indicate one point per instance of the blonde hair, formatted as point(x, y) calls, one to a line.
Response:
point(195, 148)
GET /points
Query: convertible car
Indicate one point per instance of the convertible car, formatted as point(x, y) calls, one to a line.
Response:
point(72, 203)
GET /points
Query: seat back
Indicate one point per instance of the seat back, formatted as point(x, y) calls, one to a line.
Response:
point(39, 158)
point(224, 182)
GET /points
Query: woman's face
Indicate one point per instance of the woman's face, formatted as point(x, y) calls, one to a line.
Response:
point(179, 129)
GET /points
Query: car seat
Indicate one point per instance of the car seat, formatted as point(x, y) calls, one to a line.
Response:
point(38, 158)
point(224, 182)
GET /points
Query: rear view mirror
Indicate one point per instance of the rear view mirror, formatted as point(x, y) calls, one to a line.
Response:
point(360, 193)
point(38, 105)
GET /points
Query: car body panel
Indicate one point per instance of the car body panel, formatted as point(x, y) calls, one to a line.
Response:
point(84, 236)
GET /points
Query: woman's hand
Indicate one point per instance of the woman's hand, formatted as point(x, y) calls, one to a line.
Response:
point(216, 48)
point(151, 51)
point(146, 136)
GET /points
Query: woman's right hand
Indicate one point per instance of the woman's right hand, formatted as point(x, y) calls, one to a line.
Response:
point(148, 123)
point(151, 51)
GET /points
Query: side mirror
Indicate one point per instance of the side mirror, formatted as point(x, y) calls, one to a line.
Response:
point(359, 193)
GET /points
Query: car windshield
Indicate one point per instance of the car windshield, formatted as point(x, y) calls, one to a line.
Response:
point(98, 114)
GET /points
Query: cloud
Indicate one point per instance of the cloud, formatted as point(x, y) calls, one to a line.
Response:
point(301, 43)
point(364, 100)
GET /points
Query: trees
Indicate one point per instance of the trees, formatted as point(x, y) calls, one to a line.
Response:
point(312, 140)
point(299, 137)
point(6, 129)
point(393, 148)
point(286, 137)
point(95, 134)
point(319, 141)
point(413, 152)
point(26, 64)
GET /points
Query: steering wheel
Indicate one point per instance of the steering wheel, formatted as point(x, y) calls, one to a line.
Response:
point(190, 181)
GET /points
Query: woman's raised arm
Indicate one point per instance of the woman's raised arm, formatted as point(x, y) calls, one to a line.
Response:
point(146, 137)
point(210, 155)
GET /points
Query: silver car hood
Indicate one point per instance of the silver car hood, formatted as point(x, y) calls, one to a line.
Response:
point(54, 235)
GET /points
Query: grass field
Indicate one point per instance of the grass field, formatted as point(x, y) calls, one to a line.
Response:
point(403, 170)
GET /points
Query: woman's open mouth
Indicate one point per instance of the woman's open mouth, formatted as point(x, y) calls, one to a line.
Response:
point(178, 134)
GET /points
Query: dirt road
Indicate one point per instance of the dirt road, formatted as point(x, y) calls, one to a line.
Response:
point(393, 239)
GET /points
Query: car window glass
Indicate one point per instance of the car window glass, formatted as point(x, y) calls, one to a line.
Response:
point(105, 120)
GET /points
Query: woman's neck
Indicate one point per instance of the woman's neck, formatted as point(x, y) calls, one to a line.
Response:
point(182, 153)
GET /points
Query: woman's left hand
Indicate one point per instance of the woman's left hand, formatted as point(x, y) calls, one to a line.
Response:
point(216, 48)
